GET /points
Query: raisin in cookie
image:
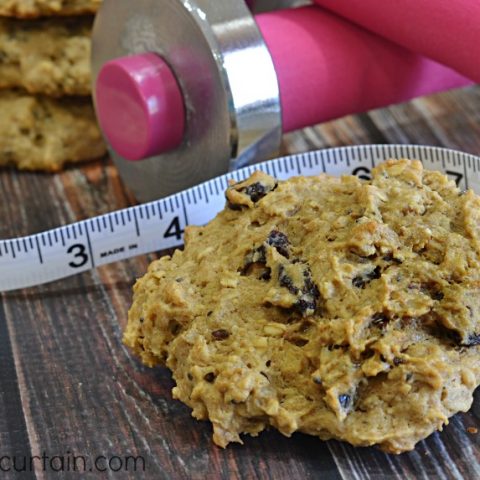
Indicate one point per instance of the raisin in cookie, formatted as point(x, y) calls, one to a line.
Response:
point(40, 8)
point(50, 57)
point(337, 307)
point(40, 133)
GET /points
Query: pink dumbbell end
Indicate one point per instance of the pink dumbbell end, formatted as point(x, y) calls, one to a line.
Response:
point(140, 106)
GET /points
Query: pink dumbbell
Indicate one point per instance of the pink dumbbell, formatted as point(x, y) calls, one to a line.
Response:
point(191, 89)
point(444, 30)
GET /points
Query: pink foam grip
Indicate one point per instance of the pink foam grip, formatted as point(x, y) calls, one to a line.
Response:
point(328, 67)
point(447, 31)
point(140, 106)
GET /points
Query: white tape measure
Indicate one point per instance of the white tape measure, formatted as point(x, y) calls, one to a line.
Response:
point(159, 225)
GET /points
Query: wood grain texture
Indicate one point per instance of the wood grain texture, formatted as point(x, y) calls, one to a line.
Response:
point(67, 384)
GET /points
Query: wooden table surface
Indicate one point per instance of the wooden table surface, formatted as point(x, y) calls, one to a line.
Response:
point(69, 387)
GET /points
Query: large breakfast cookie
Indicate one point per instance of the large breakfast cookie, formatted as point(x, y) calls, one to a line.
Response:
point(38, 8)
point(338, 307)
point(50, 57)
point(40, 133)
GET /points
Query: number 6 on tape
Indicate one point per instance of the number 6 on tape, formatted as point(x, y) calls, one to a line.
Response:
point(155, 226)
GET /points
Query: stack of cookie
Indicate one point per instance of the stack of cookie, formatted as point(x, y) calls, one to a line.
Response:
point(46, 111)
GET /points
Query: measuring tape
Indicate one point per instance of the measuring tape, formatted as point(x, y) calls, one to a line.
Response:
point(159, 225)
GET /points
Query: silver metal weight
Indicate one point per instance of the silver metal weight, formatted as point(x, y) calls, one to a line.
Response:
point(226, 75)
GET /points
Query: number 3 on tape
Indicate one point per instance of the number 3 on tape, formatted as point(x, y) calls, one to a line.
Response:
point(79, 252)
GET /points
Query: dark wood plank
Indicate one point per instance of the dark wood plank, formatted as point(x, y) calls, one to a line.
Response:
point(67, 384)
point(13, 430)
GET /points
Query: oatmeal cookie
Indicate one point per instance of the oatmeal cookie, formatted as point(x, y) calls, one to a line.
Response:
point(338, 307)
point(40, 8)
point(40, 133)
point(50, 57)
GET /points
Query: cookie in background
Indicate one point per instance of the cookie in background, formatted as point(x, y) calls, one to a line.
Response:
point(48, 56)
point(47, 118)
point(43, 133)
point(38, 8)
